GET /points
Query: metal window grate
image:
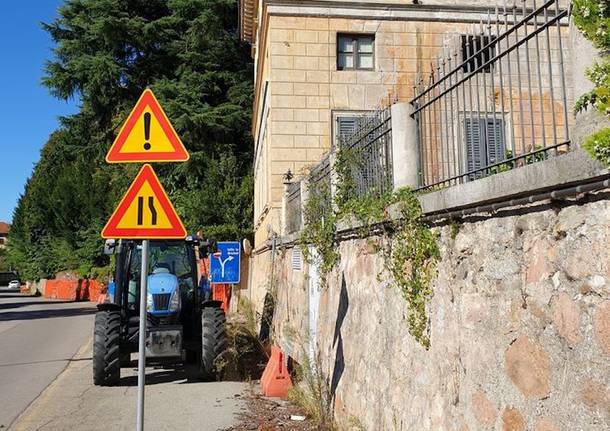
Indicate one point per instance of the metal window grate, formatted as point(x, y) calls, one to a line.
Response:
point(485, 50)
point(320, 186)
point(369, 140)
point(294, 213)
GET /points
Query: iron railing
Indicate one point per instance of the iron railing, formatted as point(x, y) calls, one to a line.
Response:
point(369, 149)
point(497, 98)
point(294, 214)
point(319, 187)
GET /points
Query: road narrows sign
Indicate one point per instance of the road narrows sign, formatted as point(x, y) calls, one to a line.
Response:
point(145, 212)
point(147, 136)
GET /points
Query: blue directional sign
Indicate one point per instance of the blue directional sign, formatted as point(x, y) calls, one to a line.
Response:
point(225, 264)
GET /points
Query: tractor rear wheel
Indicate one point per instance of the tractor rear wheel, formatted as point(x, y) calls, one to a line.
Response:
point(106, 348)
point(213, 341)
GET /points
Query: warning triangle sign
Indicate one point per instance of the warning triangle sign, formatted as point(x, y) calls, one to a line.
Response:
point(145, 212)
point(147, 136)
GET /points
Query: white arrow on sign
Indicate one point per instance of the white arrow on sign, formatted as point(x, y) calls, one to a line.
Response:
point(222, 264)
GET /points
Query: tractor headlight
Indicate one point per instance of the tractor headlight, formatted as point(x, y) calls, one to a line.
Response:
point(149, 302)
point(174, 302)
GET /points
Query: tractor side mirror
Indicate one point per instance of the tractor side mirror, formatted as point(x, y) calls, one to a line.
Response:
point(213, 246)
point(207, 247)
point(110, 247)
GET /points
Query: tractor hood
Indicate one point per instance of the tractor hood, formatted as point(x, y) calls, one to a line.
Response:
point(162, 283)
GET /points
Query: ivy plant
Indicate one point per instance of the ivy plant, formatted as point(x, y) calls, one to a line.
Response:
point(592, 17)
point(409, 247)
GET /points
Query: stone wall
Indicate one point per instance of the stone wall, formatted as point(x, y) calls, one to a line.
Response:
point(519, 327)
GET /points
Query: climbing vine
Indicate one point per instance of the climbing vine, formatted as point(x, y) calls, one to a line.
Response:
point(592, 17)
point(320, 228)
point(412, 261)
point(408, 246)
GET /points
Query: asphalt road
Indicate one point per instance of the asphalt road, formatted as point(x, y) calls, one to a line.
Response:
point(38, 339)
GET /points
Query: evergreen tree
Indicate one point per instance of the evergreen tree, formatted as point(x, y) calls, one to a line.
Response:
point(107, 51)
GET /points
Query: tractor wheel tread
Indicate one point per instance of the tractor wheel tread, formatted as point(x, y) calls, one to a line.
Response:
point(213, 341)
point(106, 348)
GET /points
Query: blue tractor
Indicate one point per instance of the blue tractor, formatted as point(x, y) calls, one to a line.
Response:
point(183, 323)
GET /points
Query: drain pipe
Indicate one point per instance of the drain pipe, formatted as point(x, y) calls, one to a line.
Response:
point(556, 194)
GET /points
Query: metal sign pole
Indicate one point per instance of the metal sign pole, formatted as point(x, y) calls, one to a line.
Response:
point(142, 336)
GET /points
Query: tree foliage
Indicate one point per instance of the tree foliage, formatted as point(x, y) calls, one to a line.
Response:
point(106, 52)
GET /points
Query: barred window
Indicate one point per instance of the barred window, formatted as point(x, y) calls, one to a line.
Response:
point(472, 45)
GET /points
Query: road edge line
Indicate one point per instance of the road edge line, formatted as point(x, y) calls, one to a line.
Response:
point(44, 394)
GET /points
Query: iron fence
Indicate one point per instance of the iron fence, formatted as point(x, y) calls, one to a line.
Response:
point(496, 99)
point(293, 208)
point(369, 149)
point(319, 188)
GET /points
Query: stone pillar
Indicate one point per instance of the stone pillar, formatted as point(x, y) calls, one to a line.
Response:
point(405, 151)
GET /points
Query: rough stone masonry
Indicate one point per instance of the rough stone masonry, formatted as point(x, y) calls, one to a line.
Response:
point(519, 326)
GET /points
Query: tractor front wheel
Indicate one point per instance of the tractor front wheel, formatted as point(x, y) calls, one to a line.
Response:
point(106, 348)
point(213, 341)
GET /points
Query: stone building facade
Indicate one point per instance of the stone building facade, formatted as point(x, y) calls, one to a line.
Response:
point(320, 62)
point(299, 91)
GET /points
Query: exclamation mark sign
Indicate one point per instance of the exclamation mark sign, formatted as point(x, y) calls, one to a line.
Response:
point(147, 131)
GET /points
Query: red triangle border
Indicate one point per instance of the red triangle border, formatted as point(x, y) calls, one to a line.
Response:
point(146, 174)
point(147, 99)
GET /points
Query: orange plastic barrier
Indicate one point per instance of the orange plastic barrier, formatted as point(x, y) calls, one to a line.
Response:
point(67, 290)
point(74, 290)
point(222, 292)
point(276, 381)
point(95, 290)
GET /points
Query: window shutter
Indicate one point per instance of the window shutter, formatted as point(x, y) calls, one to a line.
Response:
point(346, 125)
point(475, 147)
point(296, 259)
point(496, 147)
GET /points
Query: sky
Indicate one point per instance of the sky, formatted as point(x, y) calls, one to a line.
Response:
point(28, 113)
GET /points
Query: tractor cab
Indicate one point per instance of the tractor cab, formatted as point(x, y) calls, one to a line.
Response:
point(172, 278)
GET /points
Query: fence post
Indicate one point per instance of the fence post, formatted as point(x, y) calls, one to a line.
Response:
point(405, 151)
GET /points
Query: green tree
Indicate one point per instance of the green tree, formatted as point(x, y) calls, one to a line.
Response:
point(106, 52)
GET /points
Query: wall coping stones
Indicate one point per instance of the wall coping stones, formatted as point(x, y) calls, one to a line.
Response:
point(561, 171)
point(557, 172)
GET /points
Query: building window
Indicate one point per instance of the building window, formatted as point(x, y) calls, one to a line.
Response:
point(485, 143)
point(355, 52)
point(346, 124)
point(472, 45)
